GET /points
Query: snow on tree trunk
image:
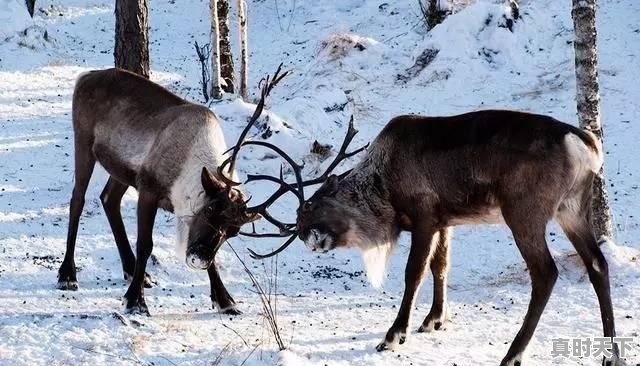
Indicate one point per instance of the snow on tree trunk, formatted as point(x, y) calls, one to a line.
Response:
point(216, 90)
point(131, 51)
point(226, 57)
point(244, 57)
point(588, 101)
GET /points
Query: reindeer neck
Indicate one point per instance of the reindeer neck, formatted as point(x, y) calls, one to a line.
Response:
point(186, 193)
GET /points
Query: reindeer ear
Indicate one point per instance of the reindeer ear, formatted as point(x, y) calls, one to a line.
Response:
point(210, 183)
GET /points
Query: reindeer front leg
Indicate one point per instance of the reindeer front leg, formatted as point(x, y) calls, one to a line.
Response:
point(219, 295)
point(147, 209)
point(422, 247)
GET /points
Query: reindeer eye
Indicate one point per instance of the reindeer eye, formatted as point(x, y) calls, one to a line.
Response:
point(307, 205)
point(209, 210)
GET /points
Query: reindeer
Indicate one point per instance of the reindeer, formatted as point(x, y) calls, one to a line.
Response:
point(171, 152)
point(427, 174)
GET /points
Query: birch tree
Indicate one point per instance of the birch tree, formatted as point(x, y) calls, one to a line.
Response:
point(131, 51)
point(244, 56)
point(216, 90)
point(226, 57)
point(588, 101)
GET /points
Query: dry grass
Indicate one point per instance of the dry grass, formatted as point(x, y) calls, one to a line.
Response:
point(339, 45)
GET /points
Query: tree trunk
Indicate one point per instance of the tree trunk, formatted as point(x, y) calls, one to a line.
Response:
point(244, 55)
point(588, 101)
point(31, 5)
point(226, 58)
point(436, 12)
point(216, 90)
point(131, 51)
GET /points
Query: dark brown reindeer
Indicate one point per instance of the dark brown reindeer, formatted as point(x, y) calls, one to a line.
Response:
point(170, 151)
point(426, 174)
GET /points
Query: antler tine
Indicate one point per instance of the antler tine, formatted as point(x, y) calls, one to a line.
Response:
point(297, 168)
point(342, 153)
point(223, 177)
point(266, 88)
point(265, 235)
point(284, 246)
point(263, 207)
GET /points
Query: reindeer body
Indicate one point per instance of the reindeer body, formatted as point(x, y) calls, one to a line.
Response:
point(426, 174)
point(147, 137)
point(150, 139)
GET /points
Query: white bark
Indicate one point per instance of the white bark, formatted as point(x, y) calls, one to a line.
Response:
point(216, 89)
point(244, 55)
point(443, 5)
point(588, 101)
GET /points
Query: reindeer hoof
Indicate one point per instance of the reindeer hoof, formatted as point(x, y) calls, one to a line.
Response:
point(392, 340)
point(228, 309)
point(615, 361)
point(231, 311)
point(136, 307)
point(67, 285)
point(515, 361)
point(382, 347)
point(433, 322)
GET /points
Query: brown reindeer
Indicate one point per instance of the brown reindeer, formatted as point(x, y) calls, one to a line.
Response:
point(426, 174)
point(171, 152)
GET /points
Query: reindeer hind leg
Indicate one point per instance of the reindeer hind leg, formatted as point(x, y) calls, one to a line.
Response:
point(84, 164)
point(439, 269)
point(111, 198)
point(574, 216)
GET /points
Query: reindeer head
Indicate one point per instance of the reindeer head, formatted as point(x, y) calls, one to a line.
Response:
point(322, 223)
point(223, 213)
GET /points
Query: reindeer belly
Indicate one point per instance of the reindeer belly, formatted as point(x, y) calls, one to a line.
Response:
point(122, 154)
point(492, 215)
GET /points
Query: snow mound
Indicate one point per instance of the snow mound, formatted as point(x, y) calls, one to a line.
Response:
point(13, 17)
point(340, 45)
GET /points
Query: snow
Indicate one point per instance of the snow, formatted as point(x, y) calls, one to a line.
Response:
point(346, 57)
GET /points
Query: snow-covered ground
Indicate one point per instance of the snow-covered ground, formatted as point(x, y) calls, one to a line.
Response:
point(349, 56)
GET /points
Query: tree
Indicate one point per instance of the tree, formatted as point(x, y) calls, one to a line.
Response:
point(244, 56)
point(226, 58)
point(132, 36)
point(216, 89)
point(588, 101)
point(434, 12)
point(31, 5)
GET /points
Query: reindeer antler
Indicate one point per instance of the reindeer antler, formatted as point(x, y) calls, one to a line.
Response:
point(300, 184)
point(266, 85)
point(285, 229)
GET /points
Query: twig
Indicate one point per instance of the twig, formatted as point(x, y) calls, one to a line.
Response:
point(250, 353)
point(238, 334)
point(134, 360)
point(220, 355)
point(269, 313)
point(203, 55)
